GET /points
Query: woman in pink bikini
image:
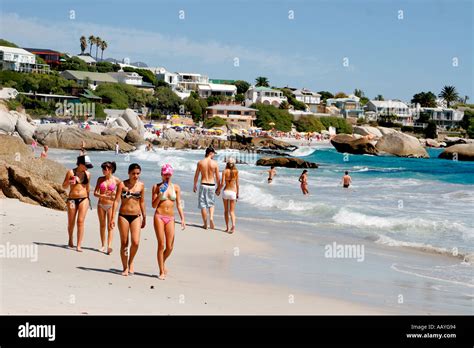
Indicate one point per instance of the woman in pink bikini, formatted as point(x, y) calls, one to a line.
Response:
point(164, 196)
point(105, 189)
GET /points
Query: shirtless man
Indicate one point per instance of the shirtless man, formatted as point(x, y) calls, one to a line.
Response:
point(271, 173)
point(346, 180)
point(209, 171)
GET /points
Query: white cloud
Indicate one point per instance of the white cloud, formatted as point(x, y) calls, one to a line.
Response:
point(152, 47)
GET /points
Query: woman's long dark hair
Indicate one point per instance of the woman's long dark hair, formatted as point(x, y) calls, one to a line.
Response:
point(110, 165)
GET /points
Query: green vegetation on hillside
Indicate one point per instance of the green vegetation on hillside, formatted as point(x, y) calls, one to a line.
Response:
point(39, 83)
point(6, 43)
point(214, 122)
point(267, 114)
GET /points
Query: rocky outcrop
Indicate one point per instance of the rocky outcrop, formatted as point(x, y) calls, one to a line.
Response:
point(128, 121)
point(133, 137)
point(117, 131)
point(172, 135)
point(456, 140)
point(271, 143)
point(401, 145)
point(65, 137)
point(432, 143)
point(19, 122)
point(348, 144)
point(31, 180)
point(287, 162)
point(391, 142)
point(461, 152)
point(367, 130)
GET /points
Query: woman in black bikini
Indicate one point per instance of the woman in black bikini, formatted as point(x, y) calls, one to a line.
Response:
point(132, 216)
point(78, 181)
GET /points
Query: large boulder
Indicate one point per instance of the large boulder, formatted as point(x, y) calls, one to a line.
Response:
point(65, 137)
point(461, 152)
point(401, 145)
point(8, 122)
point(120, 122)
point(132, 119)
point(348, 144)
point(117, 131)
point(29, 179)
point(386, 130)
point(367, 130)
point(287, 162)
point(25, 129)
point(133, 137)
point(172, 135)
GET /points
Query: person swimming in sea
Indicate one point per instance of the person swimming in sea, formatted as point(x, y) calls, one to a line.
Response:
point(271, 173)
point(78, 181)
point(165, 197)
point(131, 217)
point(105, 189)
point(346, 180)
point(303, 179)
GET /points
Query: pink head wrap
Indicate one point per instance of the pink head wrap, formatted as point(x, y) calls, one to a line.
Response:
point(167, 169)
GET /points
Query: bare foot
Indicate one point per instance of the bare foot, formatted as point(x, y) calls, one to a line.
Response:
point(204, 226)
point(109, 251)
point(70, 244)
point(227, 229)
point(79, 249)
point(211, 222)
point(102, 249)
point(233, 229)
point(125, 272)
point(162, 276)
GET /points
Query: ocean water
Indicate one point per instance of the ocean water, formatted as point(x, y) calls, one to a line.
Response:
point(423, 205)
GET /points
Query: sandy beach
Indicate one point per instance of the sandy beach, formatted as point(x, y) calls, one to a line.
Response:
point(58, 280)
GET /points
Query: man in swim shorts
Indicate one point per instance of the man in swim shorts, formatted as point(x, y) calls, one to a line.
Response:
point(346, 180)
point(208, 169)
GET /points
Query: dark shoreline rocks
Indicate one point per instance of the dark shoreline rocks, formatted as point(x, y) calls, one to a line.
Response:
point(287, 162)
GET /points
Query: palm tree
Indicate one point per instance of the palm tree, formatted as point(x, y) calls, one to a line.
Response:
point(98, 42)
point(379, 97)
point(261, 82)
point(103, 46)
point(449, 94)
point(91, 43)
point(83, 44)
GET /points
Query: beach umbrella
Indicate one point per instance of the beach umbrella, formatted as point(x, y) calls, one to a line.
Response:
point(271, 124)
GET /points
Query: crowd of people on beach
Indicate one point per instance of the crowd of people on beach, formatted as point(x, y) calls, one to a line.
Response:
point(128, 197)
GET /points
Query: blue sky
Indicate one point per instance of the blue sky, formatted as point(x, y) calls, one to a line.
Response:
point(386, 55)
